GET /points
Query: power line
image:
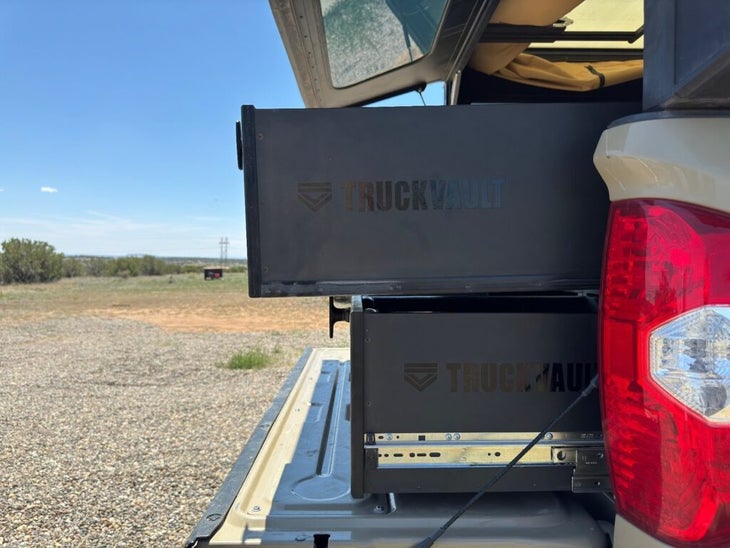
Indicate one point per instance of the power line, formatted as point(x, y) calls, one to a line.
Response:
point(224, 250)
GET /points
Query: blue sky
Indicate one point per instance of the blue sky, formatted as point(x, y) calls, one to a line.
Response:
point(117, 121)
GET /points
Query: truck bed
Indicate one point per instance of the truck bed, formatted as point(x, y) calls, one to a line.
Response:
point(291, 487)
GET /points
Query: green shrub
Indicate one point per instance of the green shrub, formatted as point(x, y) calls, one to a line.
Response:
point(147, 265)
point(95, 266)
point(251, 359)
point(73, 267)
point(26, 261)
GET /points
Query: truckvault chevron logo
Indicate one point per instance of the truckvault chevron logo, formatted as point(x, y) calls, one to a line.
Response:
point(314, 195)
point(420, 375)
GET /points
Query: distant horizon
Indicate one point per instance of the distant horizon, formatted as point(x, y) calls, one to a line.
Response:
point(126, 254)
point(163, 257)
point(216, 258)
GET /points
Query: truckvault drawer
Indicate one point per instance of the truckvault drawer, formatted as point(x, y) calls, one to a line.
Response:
point(409, 201)
point(446, 391)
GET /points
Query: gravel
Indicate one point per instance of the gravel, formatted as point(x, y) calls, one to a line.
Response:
point(117, 433)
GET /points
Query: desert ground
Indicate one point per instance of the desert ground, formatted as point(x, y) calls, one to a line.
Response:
point(118, 418)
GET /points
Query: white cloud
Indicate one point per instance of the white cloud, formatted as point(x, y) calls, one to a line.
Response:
point(49, 189)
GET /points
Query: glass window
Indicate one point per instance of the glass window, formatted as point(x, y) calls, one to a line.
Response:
point(602, 15)
point(369, 37)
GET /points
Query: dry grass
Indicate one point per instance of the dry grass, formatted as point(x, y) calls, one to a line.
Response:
point(183, 302)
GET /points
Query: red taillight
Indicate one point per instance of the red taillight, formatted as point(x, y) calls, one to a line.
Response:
point(665, 369)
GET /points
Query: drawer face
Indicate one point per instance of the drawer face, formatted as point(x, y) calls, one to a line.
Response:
point(441, 400)
point(414, 201)
point(477, 372)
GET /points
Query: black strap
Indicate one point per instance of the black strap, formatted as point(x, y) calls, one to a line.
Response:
point(601, 76)
point(433, 537)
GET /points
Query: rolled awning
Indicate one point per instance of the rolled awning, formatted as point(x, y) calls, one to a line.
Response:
point(569, 76)
point(508, 60)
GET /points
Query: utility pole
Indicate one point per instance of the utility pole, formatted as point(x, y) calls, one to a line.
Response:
point(224, 250)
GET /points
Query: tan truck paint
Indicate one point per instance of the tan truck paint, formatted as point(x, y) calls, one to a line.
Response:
point(683, 158)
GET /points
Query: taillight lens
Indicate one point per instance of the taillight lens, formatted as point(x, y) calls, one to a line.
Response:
point(688, 357)
point(665, 368)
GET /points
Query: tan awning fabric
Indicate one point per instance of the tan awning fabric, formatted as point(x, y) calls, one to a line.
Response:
point(519, 12)
point(570, 76)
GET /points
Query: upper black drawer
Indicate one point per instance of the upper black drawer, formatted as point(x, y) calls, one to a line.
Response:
point(442, 200)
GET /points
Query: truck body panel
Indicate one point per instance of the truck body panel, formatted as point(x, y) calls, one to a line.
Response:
point(674, 156)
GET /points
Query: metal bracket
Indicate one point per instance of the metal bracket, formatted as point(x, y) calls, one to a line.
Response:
point(339, 309)
point(591, 470)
